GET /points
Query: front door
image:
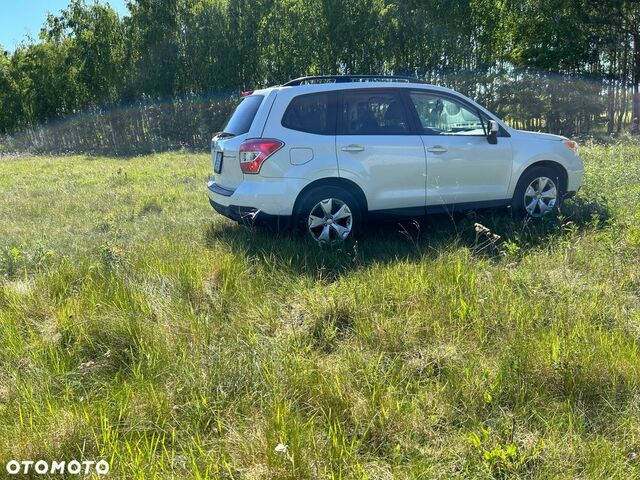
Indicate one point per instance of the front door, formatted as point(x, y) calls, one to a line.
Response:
point(462, 166)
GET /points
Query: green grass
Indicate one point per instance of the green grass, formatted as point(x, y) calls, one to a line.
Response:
point(138, 326)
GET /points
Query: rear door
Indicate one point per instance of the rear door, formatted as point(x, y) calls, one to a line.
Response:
point(462, 166)
point(306, 122)
point(379, 149)
point(225, 146)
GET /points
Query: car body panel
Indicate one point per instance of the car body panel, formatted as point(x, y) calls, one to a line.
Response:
point(269, 195)
point(391, 170)
point(231, 175)
point(470, 170)
point(530, 148)
point(323, 163)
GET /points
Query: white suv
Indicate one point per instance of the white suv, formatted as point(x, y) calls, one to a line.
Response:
point(323, 154)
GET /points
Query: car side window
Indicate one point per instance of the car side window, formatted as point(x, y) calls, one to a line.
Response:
point(441, 115)
point(369, 112)
point(310, 113)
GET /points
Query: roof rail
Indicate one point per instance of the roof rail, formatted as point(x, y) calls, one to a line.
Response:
point(350, 78)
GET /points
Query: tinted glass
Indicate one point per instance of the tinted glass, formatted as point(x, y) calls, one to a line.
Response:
point(441, 115)
point(373, 113)
point(309, 113)
point(242, 118)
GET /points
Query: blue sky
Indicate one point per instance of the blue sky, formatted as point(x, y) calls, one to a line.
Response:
point(21, 17)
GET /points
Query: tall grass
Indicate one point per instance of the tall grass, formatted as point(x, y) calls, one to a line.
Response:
point(139, 327)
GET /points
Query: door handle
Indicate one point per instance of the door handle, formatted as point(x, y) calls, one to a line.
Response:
point(353, 148)
point(437, 149)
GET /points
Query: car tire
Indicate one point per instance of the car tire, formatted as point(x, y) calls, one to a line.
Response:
point(539, 192)
point(328, 215)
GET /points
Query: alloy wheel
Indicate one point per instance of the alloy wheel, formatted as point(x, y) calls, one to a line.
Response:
point(330, 221)
point(540, 197)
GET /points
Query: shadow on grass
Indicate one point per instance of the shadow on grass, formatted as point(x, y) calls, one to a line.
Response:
point(412, 239)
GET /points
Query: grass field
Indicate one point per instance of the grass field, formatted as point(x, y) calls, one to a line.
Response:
point(139, 327)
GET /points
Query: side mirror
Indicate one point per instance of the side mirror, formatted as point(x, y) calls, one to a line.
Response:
point(493, 129)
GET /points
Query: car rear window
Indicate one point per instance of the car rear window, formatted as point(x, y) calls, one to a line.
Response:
point(310, 113)
point(242, 118)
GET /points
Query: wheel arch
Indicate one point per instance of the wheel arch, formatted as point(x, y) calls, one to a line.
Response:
point(349, 185)
point(564, 175)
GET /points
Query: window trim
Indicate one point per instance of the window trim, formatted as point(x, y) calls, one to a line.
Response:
point(470, 106)
point(332, 113)
point(399, 92)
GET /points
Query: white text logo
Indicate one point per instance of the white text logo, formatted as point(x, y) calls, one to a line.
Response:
point(42, 467)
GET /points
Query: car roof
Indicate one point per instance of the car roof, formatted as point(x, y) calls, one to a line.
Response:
point(331, 86)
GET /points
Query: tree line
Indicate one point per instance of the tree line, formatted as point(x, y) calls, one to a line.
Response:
point(166, 74)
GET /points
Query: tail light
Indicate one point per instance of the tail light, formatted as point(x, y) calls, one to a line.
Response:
point(254, 152)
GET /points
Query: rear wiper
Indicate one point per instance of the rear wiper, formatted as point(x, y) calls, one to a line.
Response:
point(224, 135)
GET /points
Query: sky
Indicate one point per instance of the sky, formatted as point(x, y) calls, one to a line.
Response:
point(21, 17)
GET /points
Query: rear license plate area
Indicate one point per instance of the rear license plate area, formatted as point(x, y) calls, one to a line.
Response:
point(217, 164)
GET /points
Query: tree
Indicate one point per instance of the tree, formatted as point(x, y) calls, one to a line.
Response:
point(152, 31)
point(97, 50)
point(576, 59)
point(622, 19)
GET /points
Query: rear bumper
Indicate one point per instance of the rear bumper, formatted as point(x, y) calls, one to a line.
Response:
point(251, 216)
point(236, 213)
point(273, 196)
